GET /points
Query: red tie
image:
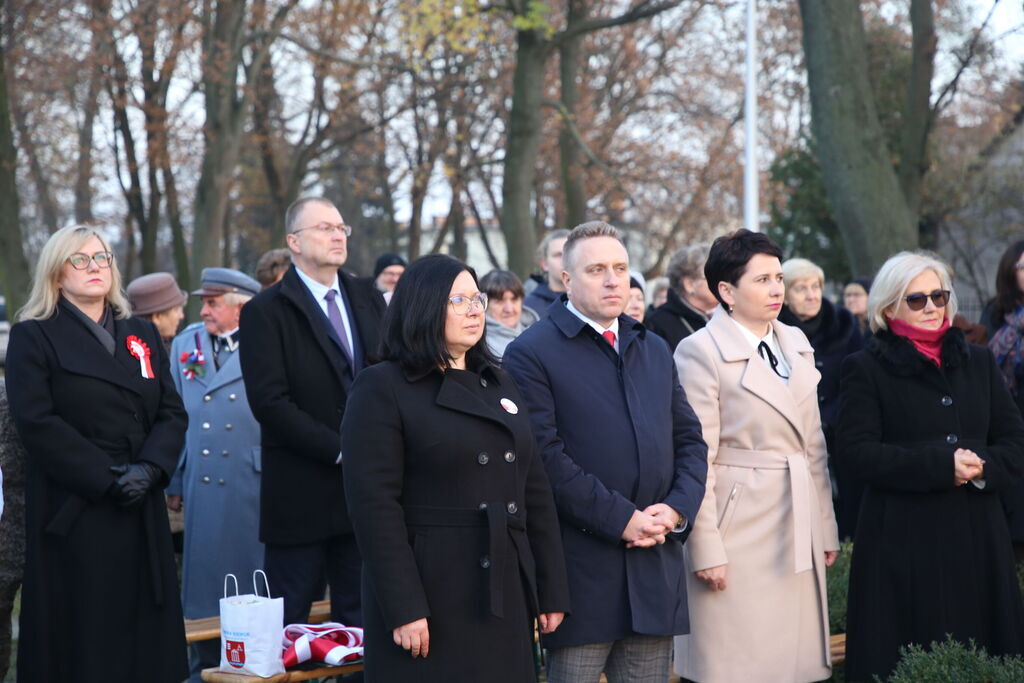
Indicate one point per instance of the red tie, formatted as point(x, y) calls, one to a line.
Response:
point(609, 337)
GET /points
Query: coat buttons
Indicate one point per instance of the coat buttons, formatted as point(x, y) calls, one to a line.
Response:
point(482, 458)
point(483, 382)
point(512, 508)
point(485, 562)
point(232, 397)
point(482, 506)
point(228, 427)
point(221, 482)
point(205, 480)
point(207, 398)
point(510, 456)
point(224, 453)
point(206, 451)
point(947, 401)
point(952, 439)
point(206, 425)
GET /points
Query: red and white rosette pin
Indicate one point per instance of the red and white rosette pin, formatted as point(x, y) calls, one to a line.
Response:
point(140, 350)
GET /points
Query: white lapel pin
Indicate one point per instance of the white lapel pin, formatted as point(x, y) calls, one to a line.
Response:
point(509, 406)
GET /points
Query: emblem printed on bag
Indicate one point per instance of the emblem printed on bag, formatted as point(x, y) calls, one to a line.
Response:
point(235, 651)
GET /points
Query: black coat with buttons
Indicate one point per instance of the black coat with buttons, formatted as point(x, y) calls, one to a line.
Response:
point(455, 522)
point(930, 557)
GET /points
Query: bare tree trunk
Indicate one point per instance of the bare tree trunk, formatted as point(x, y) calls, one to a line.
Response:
point(181, 261)
point(44, 193)
point(525, 123)
point(224, 41)
point(521, 147)
point(99, 24)
point(917, 117)
point(862, 187)
point(15, 275)
point(495, 263)
point(569, 153)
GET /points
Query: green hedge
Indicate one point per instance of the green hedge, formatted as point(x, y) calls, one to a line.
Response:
point(954, 662)
point(837, 579)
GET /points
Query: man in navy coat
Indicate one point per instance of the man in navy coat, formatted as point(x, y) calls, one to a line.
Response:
point(627, 464)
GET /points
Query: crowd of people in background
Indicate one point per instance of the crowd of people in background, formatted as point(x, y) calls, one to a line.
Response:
point(656, 474)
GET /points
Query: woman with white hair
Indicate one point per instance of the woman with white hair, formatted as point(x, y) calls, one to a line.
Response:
point(926, 423)
point(94, 404)
point(834, 335)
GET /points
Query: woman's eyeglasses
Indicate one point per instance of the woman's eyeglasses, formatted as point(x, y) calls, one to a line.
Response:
point(916, 302)
point(80, 261)
point(463, 304)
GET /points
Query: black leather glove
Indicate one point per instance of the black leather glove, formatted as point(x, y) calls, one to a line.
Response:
point(134, 481)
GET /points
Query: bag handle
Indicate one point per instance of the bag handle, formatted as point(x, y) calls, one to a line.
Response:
point(233, 578)
point(255, 586)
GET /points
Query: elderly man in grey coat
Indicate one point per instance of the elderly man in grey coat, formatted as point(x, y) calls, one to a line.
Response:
point(218, 478)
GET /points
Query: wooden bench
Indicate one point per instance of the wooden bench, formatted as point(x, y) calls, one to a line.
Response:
point(217, 676)
point(837, 645)
point(209, 628)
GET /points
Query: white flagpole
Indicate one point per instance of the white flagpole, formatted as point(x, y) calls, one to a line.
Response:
point(750, 177)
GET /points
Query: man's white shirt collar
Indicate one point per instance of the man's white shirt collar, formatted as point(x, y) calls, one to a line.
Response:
point(614, 327)
point(319, 290)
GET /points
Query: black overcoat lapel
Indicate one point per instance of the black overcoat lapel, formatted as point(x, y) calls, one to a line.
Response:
point(79, 352)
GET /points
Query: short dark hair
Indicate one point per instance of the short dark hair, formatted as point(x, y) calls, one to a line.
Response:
point(413, 326)
point(730, 254)
point(497, 282)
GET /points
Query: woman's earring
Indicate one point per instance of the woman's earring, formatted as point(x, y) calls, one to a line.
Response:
point(730, 309)
point(691, 292)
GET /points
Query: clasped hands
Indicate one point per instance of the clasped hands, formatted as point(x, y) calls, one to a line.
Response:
point(133, 482)
point(967, 466)
point(647, 528)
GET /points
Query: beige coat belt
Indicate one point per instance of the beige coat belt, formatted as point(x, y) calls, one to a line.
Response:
point(800, 492)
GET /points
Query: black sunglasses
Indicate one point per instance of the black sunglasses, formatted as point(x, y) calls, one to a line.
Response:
point(916, 302)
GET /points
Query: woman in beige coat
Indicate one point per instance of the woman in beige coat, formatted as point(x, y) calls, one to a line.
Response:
point(766, 530)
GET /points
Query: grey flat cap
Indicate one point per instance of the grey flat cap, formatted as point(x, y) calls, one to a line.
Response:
point(154, 293)
point(217, 281)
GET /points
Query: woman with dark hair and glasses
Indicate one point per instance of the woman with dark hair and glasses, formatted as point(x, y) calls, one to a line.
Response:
point(92, 399)
point(450, 505)
point(766, 530)
point(926, 423)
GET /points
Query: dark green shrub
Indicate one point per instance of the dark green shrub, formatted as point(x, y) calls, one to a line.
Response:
point(837, 580)
point(954, 662)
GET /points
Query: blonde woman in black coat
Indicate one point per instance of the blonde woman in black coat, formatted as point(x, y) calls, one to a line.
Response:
point(93, 402)
point(451, 507)
point(926, 423)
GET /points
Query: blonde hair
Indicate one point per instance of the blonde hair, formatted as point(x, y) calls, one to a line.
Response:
point(42, 300)
point(895, 275)
point(800, 269)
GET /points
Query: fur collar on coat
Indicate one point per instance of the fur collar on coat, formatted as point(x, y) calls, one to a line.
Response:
point(903, 359)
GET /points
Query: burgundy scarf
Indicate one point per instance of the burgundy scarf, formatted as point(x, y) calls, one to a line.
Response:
point(927, 342)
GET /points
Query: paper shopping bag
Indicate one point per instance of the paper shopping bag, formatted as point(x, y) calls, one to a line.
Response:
point(250, 630)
